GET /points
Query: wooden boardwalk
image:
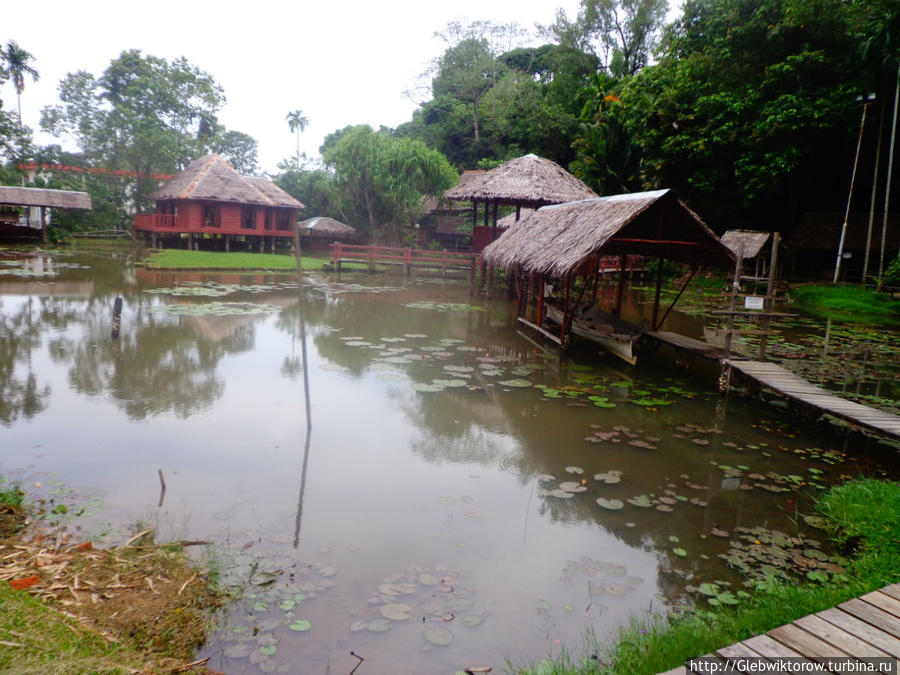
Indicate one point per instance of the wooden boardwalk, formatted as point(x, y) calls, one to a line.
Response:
point(864, 627)
point(690, 345)
point(787, 384)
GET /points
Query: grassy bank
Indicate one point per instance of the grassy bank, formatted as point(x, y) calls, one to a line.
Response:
point(67, 607)
point(854, 304)
point(863, 514)
point(178, 259)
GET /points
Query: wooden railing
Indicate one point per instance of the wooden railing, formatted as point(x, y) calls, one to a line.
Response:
point(407, 257)
point(155, 222)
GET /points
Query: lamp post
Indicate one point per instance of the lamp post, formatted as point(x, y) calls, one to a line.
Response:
point(865, 101)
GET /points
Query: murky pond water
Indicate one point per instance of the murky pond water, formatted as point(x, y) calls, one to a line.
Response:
point(462, 496)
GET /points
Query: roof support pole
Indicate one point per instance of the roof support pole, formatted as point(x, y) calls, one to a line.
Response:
point(566, 320)
point(540, 302)
point(659, 277)
point(43, 224)
point(620, 293)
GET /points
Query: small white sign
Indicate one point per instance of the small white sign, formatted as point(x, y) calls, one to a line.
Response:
point(754, 302)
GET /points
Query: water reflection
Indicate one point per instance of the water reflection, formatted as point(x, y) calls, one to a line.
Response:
point(436, 426)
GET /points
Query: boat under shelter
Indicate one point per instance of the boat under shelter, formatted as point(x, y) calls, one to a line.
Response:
point(570, 241)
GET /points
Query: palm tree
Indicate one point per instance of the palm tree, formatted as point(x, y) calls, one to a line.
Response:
point(16, 67)
point(297, 121)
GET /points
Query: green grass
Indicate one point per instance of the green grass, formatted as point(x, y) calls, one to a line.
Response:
point(35, 638)
point(865, 513)
point(847, 303)
point(180, 259)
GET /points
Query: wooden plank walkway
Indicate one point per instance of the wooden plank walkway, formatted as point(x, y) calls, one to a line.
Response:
point(692, 345)
point(864, 627)
point(787, 384)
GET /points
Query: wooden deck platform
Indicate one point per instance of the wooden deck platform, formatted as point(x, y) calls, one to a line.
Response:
point(865, 627)
point(691, 345)
point(787, 384)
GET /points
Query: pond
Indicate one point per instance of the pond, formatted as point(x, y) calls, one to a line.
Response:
point(462, 497)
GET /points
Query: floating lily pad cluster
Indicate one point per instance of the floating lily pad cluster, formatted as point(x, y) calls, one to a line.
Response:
point(19, 268)
point(215, 309)
point(444, 306)
point(272, 592)
point(214, 289)
point(432, 600)
point(605, 582)
point(636, 438)
point(760, 552)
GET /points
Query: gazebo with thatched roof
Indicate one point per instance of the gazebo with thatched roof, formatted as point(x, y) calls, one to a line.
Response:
point(528, 181)
point(210, 198)
point(322, 227)
point(565, 241)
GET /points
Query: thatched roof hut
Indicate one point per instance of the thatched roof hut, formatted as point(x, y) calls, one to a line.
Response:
point(60, 199)
point(526, 181)
point(211, 178)
point(748, 242)
point(323, 227)
point(556, 240)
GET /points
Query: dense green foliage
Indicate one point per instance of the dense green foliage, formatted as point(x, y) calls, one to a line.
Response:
point(381, 178)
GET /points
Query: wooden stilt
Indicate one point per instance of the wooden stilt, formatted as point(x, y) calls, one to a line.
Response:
point(659, 277)
point(540, 303)
point(566, 317)
point(620, 293)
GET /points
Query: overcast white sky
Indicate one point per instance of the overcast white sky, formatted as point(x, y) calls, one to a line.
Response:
point(340, 61)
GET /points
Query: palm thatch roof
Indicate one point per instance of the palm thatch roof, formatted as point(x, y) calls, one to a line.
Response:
point(526, 181)
point(556, 240)
point(211, 178)
point(510, 219)
point(748, 242)
point(325, 227)
point(61, 199)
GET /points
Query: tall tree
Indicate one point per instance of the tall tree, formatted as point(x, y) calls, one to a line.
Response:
point(628, 30)
point(297, 122)
point(143, 114)
point(16, 64)
point(382, 178)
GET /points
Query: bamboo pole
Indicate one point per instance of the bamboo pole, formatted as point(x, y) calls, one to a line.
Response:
point(840, 252)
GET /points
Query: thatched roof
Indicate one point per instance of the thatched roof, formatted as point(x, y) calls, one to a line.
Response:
point(749, 242)
point(510, 219)
point(527, 181)
point(61, 199)
point(555, 240)
point(325, 227)
point(212, 178)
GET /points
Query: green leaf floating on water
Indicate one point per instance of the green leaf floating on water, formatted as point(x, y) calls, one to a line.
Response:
point(515, 384)
point(680, 552)
point(300, 626)
point(611, 504)
point(708, 589)
point(437, 635)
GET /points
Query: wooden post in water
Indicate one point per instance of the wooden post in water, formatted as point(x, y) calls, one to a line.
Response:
point(770, 296)
point(620, 292)
point(116, 320)
point(725, 375)
point(659, 277)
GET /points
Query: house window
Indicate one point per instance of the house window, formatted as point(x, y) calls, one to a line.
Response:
point(284, 220)
point(209, 216)
point(248, 217)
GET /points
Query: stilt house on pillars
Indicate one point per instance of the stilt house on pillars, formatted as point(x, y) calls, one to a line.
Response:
point(526, 182)
point(209, 200)
point(565, 244)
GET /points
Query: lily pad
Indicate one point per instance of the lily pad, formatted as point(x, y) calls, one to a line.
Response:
point(437, 636)
point(816, 521)
point(397, 611)
point(680, 552)
point(379, 625)
point(611, 504)
point(473, 620)
point(515, 384)
point(574, 469)
point(301, 625)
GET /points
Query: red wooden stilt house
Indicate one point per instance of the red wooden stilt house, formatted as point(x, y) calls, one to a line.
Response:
point(210, 200)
